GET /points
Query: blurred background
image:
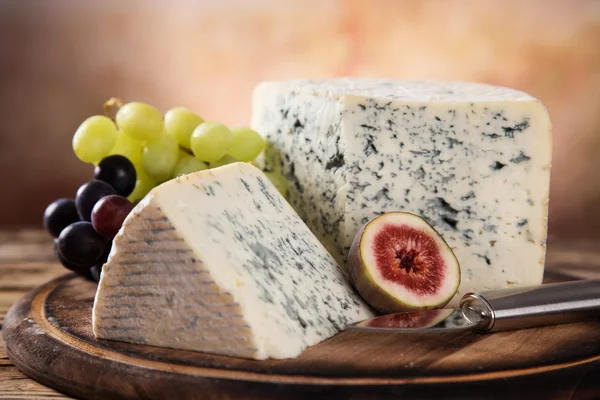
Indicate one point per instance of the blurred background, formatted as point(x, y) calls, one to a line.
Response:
point(60, 60)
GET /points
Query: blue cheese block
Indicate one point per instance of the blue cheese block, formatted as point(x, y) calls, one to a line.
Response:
point(472, 159)
point(219, 262)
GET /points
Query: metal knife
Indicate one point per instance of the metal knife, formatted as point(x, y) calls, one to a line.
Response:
point(499, 310)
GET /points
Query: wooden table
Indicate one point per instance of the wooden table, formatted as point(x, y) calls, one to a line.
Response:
point(27, 261)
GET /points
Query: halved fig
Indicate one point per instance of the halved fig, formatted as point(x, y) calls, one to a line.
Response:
point(398, 262)
point(410, 319)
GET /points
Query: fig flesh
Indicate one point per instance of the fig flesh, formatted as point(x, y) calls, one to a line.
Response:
point(398, 262)
point(410, 319)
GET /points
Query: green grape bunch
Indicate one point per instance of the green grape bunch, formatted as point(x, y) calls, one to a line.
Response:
point(164, 147)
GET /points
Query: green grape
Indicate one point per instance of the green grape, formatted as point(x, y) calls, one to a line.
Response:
point(188, 164)
point(160, 157)
point(247, 144)
point(226, 159)
point(94, 139)
point(183, 154)
point(140, 121)
point(279, 181)
point(180, 123)
point(143, 184)
point(128, 147)
point(210, 141)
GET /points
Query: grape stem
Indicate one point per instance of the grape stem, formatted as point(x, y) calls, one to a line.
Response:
point(112, 102)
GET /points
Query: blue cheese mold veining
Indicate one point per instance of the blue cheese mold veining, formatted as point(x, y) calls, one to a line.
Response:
point(472, 159)
point(217, 261)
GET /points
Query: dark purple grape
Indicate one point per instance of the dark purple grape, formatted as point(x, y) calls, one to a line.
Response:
point(91, 274)
point(79, 244)
point(95, 273)
point(109, 213)
point(68, 265)
point(88, 195)
point(118, 172)
point(87, 274)
point(60, 214)
point(97, 269)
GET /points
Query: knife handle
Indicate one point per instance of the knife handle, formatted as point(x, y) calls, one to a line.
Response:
point(526, 307)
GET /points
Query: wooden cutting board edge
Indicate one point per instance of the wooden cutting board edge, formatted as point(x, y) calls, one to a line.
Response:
point(28, 318)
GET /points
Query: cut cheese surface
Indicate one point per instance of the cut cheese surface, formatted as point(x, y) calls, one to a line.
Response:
point(472, 159)
point(218, 261)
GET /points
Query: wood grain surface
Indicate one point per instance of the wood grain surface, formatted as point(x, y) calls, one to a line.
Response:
point(50, 338)
point(26, 261)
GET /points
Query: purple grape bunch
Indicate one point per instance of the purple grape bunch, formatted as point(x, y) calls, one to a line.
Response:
point(84, 228)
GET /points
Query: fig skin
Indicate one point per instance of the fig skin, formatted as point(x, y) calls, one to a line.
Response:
point(379, 298)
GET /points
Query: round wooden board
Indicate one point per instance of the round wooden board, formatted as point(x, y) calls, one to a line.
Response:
point(48, 336)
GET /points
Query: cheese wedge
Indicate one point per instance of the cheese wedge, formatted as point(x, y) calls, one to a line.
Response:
point(472, 159)
point(219, 262)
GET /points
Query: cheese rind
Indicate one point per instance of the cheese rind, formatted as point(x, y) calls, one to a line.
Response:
point(472, 159)
point(218, 261)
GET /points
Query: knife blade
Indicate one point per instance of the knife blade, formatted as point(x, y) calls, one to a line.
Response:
point(418, 321)
point(498, 310)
